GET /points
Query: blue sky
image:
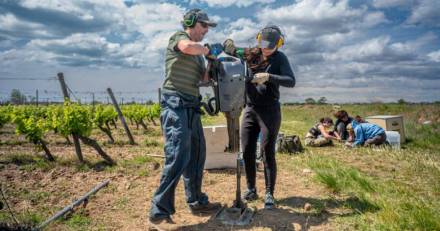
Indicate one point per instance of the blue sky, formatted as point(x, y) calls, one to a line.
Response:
point(346, 51)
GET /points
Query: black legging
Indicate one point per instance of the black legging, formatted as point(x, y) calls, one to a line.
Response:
point(268, 121)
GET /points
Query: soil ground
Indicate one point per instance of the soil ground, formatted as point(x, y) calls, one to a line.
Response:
point(36, 189)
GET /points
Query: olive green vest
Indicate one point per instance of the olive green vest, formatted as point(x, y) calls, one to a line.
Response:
point(183, 71)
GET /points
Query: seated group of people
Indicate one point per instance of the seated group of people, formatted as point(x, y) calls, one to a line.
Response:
point(354, 131)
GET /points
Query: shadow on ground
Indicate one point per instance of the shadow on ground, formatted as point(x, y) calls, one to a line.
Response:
point(291, 215)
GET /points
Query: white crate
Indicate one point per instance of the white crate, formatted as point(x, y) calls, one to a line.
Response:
point(216, 142)
point(389, 123)
point(393, 137)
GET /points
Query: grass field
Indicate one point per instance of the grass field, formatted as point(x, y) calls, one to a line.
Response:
point(331, 188)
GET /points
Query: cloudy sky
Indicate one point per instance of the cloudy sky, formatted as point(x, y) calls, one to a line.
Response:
point(346, 51)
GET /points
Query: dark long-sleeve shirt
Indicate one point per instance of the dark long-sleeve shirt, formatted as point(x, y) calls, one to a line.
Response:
point(268, 93)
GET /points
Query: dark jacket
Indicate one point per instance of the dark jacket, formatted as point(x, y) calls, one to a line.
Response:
point(338, 121)
point(268, 94)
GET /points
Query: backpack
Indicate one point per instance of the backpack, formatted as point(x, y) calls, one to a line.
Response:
point(290, 144)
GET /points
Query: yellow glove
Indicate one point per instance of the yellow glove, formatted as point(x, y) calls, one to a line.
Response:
point(260, 78)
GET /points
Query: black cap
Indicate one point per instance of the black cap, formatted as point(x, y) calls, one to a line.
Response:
point(203, 17)
point(269, 37)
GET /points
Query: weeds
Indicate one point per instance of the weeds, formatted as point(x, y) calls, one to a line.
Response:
point(139, 165)
point(151, 142)
point(395, 206)
point(79, 221)
point(27, 162)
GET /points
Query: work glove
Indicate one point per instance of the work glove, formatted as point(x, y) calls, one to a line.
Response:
point(214, 50)
point(229, 46)
point(230, 49)
point(260, 78)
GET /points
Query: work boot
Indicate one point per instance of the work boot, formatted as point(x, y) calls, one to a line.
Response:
point(161, 224)
point(198, 209)
point(250, 195)
point(269, 201)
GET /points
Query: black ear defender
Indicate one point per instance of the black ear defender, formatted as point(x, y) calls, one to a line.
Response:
point(190, 18)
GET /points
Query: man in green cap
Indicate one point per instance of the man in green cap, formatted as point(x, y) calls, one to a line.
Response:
point(184, 146)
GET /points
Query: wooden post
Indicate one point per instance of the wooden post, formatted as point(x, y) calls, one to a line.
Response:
point(159, 92)
point(93, 101)
point(75, 136)
point(63, 85)
point(36, 97)
point(121, 117)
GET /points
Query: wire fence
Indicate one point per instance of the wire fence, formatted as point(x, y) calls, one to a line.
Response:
point(54, 94)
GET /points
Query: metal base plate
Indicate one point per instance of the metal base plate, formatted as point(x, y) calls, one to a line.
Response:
point(235, 216)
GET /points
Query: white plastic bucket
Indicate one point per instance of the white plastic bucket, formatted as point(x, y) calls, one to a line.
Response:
point(393, 138)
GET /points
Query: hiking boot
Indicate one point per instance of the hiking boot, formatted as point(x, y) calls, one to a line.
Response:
point(269, 201)
point(198, 209)
point(250, 195)
point(161, 224)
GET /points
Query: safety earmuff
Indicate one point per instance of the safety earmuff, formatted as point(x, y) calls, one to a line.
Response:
point(280, 41)
point(190, 18)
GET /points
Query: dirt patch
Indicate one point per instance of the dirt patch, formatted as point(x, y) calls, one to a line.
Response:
point(35, 187)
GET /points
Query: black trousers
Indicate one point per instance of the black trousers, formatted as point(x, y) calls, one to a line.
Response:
point(377, 140)
point(342, 131)
point(266, 120)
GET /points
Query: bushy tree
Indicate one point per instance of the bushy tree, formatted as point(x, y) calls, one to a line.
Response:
point(322, 100)
point(310, 101)
point(17, 97)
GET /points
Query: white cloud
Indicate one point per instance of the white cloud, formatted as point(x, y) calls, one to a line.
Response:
point(12, 27)
point(426, 12)
point(329, 43)
point(434, 56)
point(372, 48)
point(312, 13)
point(141, 31)
point(63, 5)
point(86, 50)
point(411, 48)
point(315, 18)
point(391, 3)
point(150, 19)
point(336, 40)
point(242, 31)
point(374, 18)
point(228, 3)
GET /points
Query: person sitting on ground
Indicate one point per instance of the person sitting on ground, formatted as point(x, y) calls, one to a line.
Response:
point(342, 120)
point(320, 134)
point(365, 134)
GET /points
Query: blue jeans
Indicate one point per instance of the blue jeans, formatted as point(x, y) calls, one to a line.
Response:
point(185, 153)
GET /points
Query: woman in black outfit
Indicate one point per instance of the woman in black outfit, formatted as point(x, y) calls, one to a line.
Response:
point(271, 69)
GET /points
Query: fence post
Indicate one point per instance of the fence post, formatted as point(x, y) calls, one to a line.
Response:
point(75, 136)
point(93, 101)
point(36, 97)
point(63, 85)
point(121, 117)
point(159, 92)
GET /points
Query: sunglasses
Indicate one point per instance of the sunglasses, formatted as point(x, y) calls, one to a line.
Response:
point(203, 24)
